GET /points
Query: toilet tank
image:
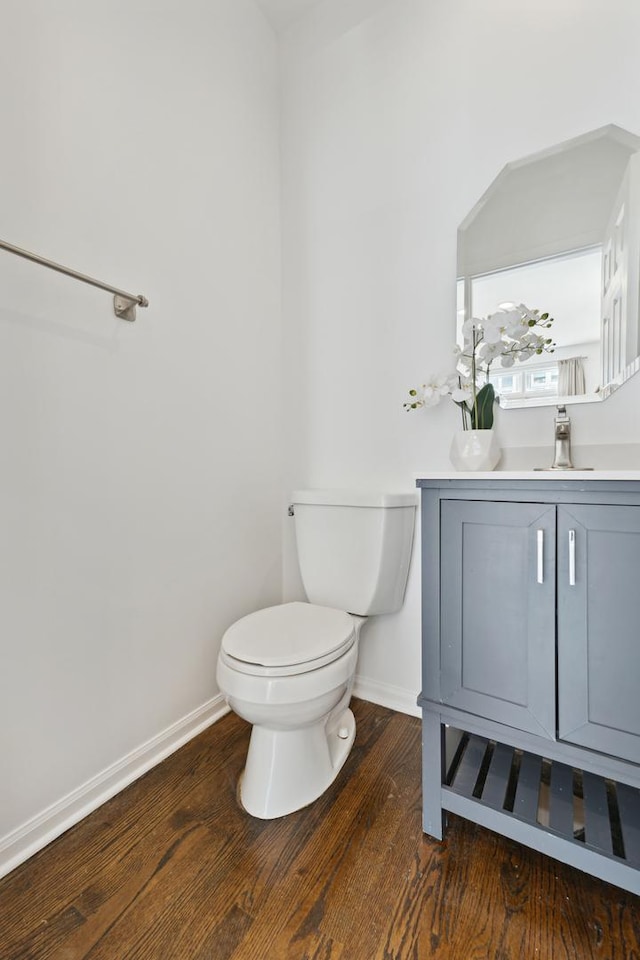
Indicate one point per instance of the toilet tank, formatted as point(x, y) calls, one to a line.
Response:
point(354, 548)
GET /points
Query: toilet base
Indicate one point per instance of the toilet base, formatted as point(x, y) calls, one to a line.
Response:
point(289, 769)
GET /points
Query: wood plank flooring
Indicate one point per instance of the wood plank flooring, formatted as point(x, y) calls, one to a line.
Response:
point(173, 869)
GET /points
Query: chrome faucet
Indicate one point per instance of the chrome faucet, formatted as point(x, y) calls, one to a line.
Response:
point(562, 458)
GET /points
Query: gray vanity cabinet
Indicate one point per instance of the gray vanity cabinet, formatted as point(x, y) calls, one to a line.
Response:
point(531, 664)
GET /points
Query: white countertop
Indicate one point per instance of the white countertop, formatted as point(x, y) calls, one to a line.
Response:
point(530, 475)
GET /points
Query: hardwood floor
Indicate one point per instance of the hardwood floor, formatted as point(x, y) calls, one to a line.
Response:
point(173, 869)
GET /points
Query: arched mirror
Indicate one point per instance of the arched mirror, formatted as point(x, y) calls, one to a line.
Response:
point(560, 232)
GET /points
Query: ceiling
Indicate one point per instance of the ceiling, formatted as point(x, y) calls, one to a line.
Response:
point(282, 13)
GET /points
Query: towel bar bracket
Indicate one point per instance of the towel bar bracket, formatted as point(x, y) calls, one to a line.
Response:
point(125, 309)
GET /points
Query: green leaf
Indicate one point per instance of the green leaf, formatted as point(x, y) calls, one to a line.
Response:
point(482, 413)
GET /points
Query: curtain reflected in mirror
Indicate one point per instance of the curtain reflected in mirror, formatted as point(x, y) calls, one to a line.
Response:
point(571, 378)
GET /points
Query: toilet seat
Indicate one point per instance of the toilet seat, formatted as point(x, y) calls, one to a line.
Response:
point(288, 639)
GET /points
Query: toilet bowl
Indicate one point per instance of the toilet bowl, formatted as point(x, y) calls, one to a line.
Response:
point(303, 728)
point(289, 669)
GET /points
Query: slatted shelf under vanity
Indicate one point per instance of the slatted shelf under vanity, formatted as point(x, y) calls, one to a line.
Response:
point(573, 815)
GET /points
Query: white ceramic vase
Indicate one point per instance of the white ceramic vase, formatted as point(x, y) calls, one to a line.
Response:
point(475, 450)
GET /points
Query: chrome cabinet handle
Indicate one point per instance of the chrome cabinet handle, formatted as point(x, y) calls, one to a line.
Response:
point(540, 539)
point(572, 558)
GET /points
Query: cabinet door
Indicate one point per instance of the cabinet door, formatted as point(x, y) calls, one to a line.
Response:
point(599, 628)
point(497, 644)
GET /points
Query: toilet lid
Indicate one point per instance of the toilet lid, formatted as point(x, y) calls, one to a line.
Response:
point(289, 634)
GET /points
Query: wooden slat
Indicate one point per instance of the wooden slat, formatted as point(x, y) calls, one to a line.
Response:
point(469, 766)
point(561, 799)
point(597, 826)
point(629, 810)
point(528, 789)
point(495, 786)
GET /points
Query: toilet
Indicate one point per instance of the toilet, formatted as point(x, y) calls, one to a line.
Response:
point(289, 669)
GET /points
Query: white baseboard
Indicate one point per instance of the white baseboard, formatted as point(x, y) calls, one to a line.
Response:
point(395, 698)
point(22, 843)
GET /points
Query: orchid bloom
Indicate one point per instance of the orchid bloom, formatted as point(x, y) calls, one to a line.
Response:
point(510, 334)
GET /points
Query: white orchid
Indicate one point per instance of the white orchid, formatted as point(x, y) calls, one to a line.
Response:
point(468, 328)
point(462, 393)
point(510, 334)
point(513, 321)
point(488, 351)
point(431, 393)
point(493, 328)
point(435, 389)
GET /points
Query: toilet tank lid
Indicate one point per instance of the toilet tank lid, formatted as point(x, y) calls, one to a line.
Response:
point(354, 498)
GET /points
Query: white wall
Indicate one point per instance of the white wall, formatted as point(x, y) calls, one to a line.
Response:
point(140, 486)
point(397, 116)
